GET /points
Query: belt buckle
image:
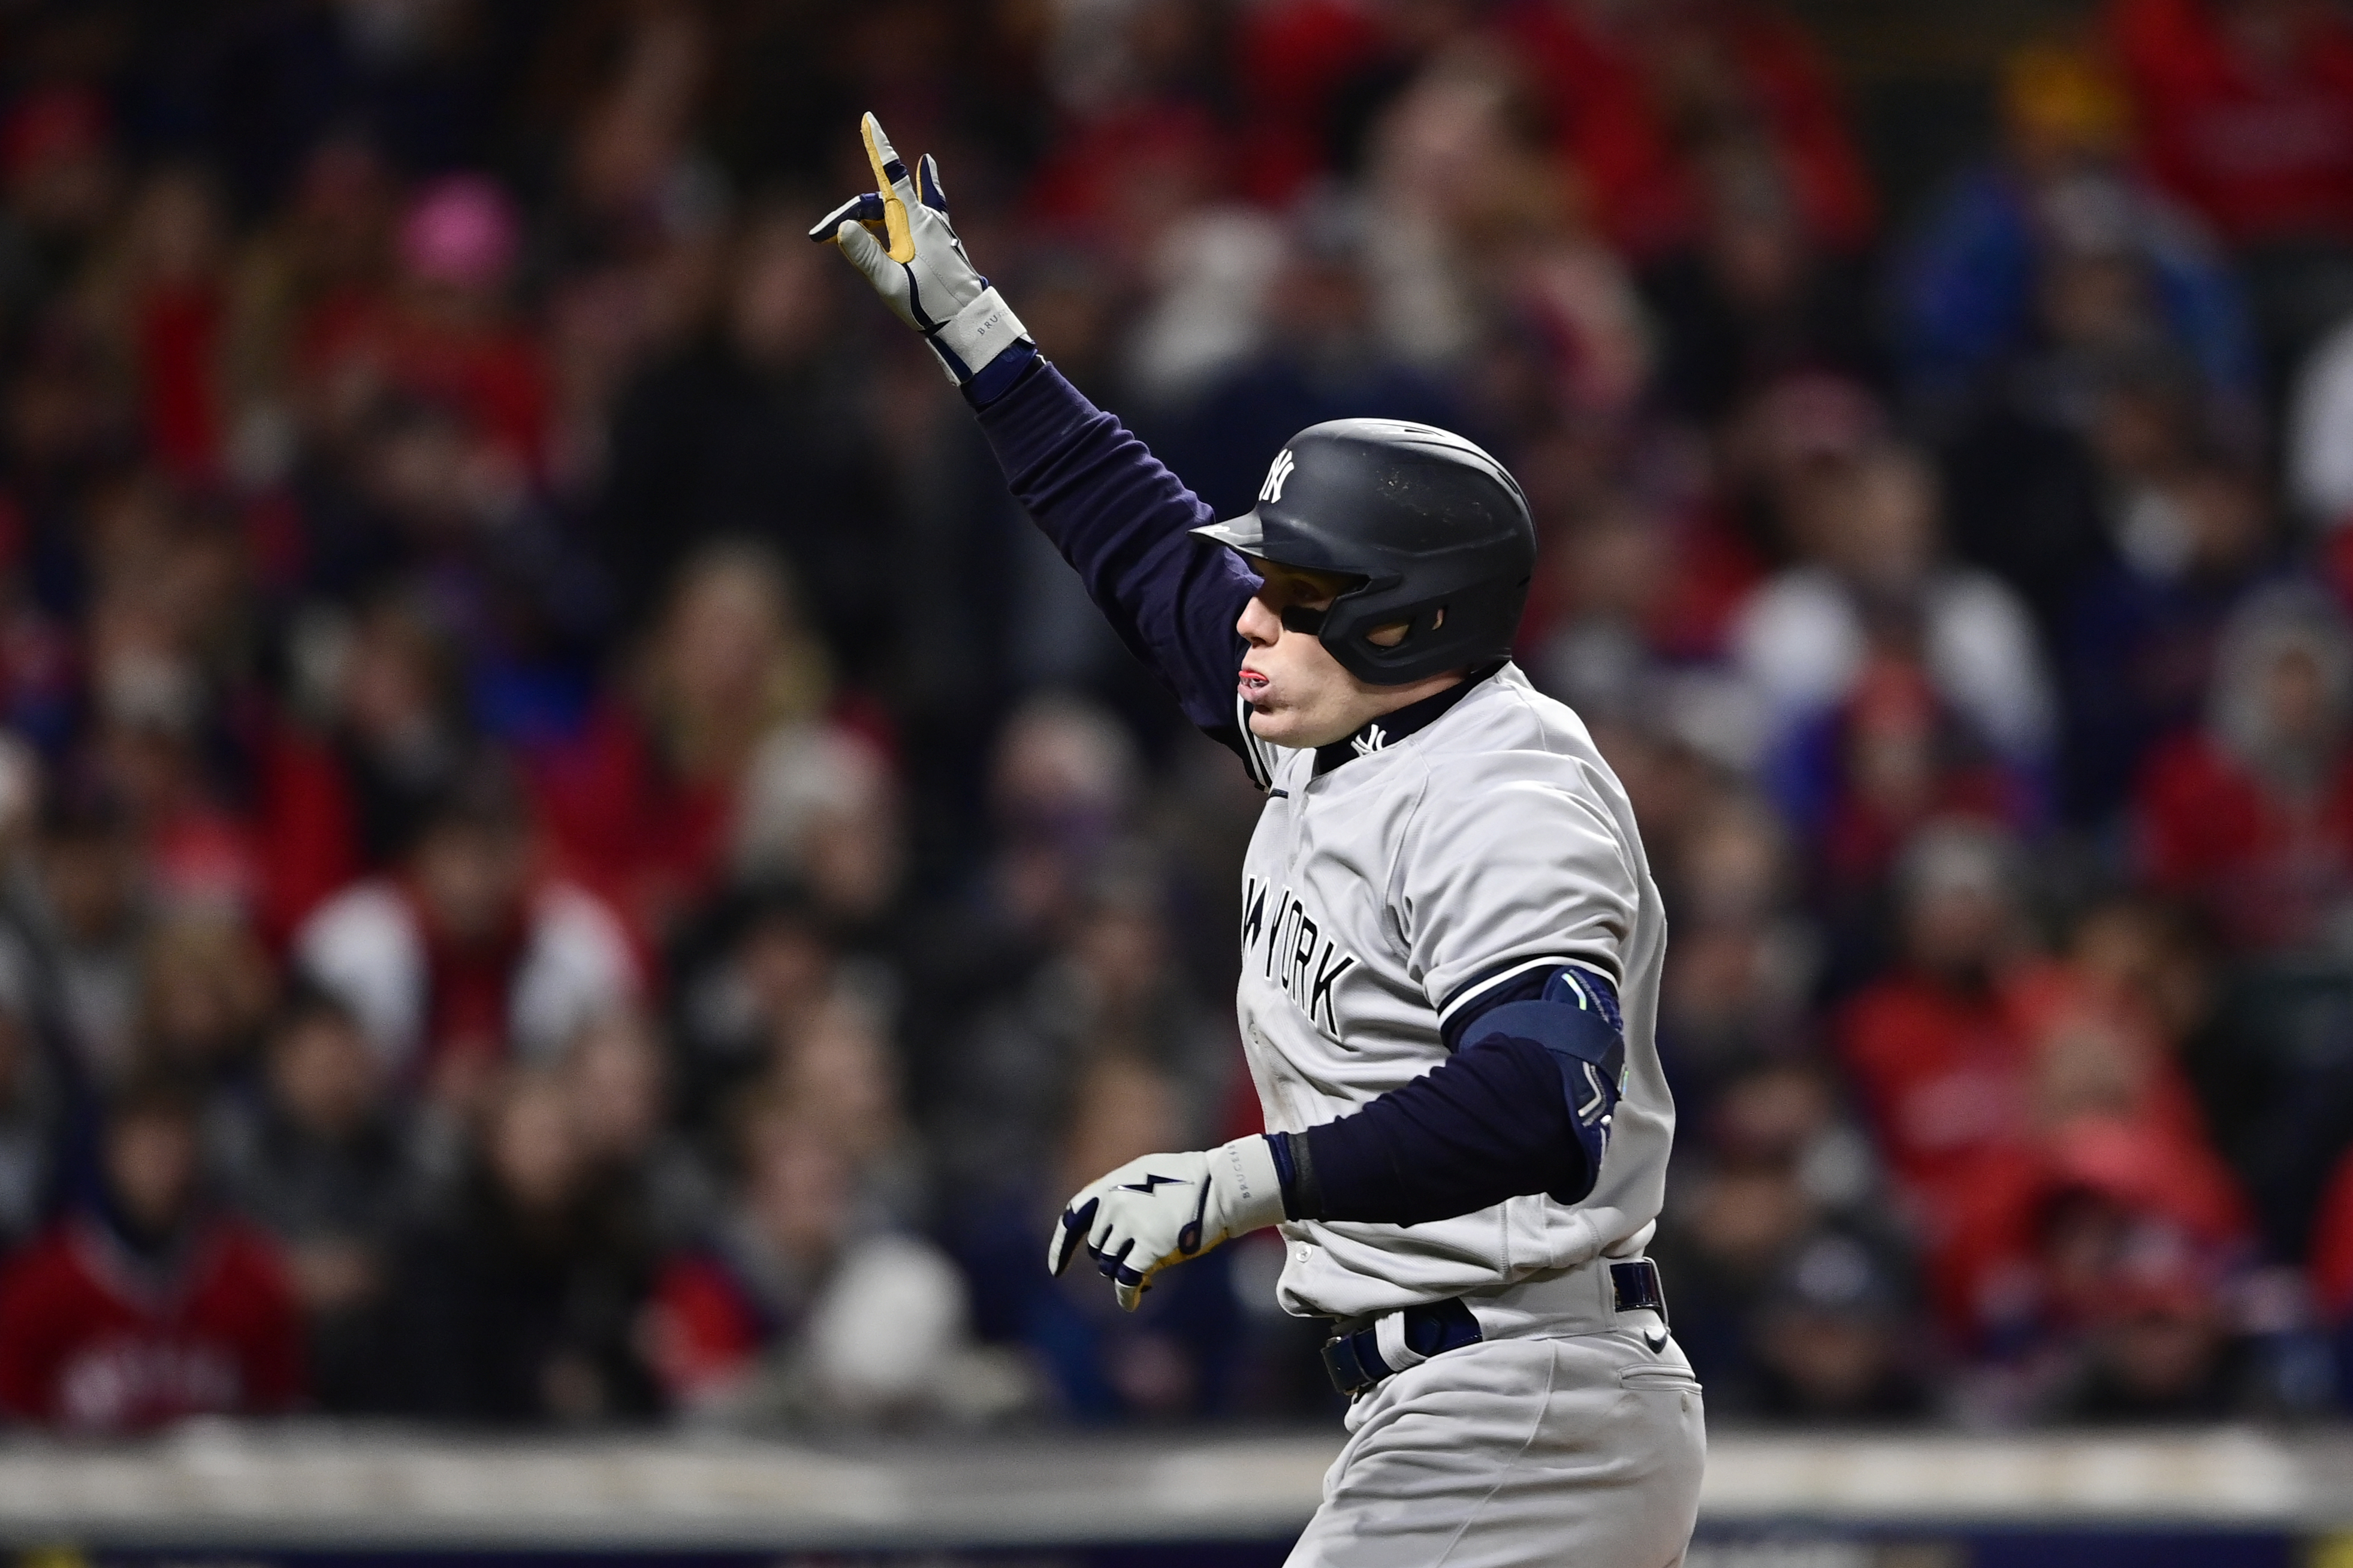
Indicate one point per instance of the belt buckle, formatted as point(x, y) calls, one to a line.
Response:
point(1636, 1286)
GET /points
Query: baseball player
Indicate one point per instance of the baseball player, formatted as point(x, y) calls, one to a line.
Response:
point(1450, 952)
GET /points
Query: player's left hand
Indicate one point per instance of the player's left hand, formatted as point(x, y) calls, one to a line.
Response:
point(1164, 1208)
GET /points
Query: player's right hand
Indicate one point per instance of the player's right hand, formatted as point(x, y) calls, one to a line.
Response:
point(1164, 1208)
point(904, 244)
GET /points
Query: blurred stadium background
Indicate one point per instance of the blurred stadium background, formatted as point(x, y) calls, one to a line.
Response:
point(576, 886)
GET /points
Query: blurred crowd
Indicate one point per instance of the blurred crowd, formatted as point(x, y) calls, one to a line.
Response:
point(566, 856)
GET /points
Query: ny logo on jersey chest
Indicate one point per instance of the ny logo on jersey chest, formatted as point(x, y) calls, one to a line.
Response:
point(1293, 950)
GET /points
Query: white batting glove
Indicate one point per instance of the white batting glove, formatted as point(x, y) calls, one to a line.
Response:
point(921, 271)
point(1164, 1208)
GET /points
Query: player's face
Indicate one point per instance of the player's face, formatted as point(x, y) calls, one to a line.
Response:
point(1299, 694)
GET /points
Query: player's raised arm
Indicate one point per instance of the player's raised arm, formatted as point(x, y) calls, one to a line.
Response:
point(1115, 512)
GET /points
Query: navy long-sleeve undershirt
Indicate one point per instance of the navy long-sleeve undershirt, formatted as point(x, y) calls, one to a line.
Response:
point(1499, 1119)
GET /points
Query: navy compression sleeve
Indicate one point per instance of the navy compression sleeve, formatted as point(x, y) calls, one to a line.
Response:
point(1521, 1106)
point(1120, 518)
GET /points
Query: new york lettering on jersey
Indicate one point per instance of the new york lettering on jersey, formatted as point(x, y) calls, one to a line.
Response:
point(1296, 951)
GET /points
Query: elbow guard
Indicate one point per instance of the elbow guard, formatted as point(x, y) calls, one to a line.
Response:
point(1577, 1024)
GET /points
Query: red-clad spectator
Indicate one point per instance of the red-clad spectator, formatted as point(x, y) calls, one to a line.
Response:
point(59, 178)
point(648, 805)
point(444, 337)
point(1310, 75)
point(2160, 1342)
point(1984, 1071)
point(2332, 1245)
point(2045, 1244)
point(1293, 62)
point(1998, 1085)
point(2252, 817)
point(1122, 178)
point(147, 1310)
point(1940, 1048)
point(164, 289)
point(469, 952)
point(2115, 1022)
point(1644, 97)
point(149, 752)
point(1902, 757)
point(2331, 1264)
point(2100, 1062)
point(308, 846)
point(1141, 143)
point(345, 797)
point(2246, 110)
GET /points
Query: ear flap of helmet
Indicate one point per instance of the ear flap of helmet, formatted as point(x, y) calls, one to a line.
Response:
point(1444, 633)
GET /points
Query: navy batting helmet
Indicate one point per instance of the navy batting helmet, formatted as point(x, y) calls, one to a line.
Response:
point(1436, 531)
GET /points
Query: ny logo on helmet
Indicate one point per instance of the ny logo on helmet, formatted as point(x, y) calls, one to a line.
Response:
point(1276, 473)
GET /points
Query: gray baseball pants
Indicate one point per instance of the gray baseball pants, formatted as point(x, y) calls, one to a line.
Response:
point(1572, 1450)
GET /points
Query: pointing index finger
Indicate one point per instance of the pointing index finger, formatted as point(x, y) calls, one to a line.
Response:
point(891, 177)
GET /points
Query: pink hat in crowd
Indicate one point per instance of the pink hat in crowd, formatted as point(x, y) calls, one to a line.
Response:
point(462, 230)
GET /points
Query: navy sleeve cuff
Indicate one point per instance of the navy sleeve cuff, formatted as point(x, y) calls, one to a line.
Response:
point(1294, 1167)
point(1001, 375)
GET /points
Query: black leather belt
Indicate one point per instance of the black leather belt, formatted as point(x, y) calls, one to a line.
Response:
point(1354, 1358)
point(1355, 1361)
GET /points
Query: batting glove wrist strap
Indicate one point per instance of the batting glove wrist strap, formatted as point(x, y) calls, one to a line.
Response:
point(1164, 1208)
point(971, 338)
point(1251, 1186)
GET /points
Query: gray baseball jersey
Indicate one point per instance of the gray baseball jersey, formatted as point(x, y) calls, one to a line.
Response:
point(1379, 897)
